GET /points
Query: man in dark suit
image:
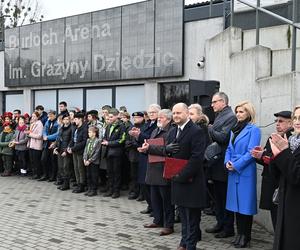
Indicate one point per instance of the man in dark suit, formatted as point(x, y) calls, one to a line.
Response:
point(187, 141)
point(220, 133)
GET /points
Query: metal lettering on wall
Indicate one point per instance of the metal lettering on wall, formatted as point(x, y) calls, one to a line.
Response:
point(142, 40)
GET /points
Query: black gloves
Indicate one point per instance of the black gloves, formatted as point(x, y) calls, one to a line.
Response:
point(172, 148)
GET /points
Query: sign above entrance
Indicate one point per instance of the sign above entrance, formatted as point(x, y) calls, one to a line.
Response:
point(141, 40)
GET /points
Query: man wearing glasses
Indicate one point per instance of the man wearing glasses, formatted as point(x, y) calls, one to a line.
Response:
point(220, 133)
point(269, 184)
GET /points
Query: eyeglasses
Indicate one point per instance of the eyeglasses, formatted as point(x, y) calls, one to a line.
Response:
point(279, 121)
point(213, 102)
point(296, 118)
point(152, 112)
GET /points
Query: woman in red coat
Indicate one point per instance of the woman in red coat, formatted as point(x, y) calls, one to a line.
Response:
point(286, 167)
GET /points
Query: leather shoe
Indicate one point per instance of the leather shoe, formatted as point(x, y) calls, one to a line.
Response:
point(43, 178)
point(213, 230)
point(166, 231)
point(243, 243)
point(224, 234)
point(92, 193)
point(151, 225)
point(236, 240)
point(146, 211)
point(108, 194)
point(115, 195)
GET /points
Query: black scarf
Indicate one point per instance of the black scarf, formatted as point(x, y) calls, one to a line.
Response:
point(236, 130)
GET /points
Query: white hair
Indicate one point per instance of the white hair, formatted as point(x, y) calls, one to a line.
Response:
point(155, 107)
point(167, 113)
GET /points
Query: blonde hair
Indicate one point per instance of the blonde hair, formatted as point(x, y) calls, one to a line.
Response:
point(197, 107)
point(249, 108)
point(296, 107)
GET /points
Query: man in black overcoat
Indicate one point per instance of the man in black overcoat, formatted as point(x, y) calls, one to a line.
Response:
point(187, 141)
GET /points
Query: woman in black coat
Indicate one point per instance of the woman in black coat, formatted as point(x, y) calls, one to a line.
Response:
point(286, 167)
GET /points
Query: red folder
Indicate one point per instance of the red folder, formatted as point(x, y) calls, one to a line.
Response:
point(156, 158)
point(173, 166)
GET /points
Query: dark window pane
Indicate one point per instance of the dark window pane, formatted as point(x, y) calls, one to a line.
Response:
point(172, 93)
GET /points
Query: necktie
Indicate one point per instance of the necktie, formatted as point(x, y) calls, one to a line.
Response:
point(178, 132)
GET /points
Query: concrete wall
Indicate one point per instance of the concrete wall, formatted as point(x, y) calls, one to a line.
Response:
point(275, 38)
point(282, 61)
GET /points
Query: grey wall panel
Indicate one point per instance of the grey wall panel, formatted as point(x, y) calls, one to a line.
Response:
point(78, 48)
point(12, 56)
point(106, 44)
point(53, 51)
point(30, 52)
point(168, 38)
point(137, 40)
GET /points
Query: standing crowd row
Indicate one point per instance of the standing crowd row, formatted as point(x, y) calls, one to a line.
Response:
point(83, 152)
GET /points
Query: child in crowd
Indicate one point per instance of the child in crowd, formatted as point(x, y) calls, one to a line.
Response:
point(20, 144)
point(6, 150)
point(91, 159)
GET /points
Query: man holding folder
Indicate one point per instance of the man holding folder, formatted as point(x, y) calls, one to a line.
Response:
point(186, 141)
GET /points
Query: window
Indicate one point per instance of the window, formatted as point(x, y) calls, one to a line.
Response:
point(133, 97)
point(46, 98)
point(73, 97)
point(96, 98)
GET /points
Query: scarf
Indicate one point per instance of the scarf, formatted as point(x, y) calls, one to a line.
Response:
point(238, 128)
point(21, 129)
point(294, 141)
point(7, 130)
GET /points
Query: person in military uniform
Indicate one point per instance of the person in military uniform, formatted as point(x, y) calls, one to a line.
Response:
point(114, 140)
point(131, 146)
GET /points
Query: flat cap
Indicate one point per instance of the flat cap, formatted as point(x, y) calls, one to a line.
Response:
point(284, 114)
point(141, 114)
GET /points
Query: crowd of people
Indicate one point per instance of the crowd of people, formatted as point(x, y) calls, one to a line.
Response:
point(111, 150)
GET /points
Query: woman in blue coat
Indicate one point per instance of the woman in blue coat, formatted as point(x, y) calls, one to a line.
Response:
point(241, 193)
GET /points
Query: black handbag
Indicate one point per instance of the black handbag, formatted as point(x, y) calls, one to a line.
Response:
point(213, 152)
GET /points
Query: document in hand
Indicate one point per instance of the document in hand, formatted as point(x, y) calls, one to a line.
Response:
point(156, 158)
point(173, 166)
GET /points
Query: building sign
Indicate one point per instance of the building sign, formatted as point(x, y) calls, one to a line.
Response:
point(142, 40)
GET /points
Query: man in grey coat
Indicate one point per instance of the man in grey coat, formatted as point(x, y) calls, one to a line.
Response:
point(220, 133)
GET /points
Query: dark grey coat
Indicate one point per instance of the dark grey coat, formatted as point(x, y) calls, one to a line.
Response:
point(220, 133)
point(95, 155)
point(154, 173)
point(286, 167)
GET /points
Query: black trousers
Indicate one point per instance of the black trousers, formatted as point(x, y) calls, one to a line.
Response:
point(21, 158)
point(134, 186)
point(125, 171)
point(49, 163)
point(114, 173)
point(92, 172)
point(35, 161)
point(146, 192)
point(244, 224)
point(225, 218)
point(273, 212)
point(190, 230)
point(163, 211)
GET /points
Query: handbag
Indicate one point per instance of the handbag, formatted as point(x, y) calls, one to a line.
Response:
point(213, 152)
point(275, 198)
